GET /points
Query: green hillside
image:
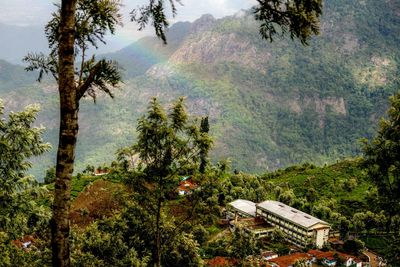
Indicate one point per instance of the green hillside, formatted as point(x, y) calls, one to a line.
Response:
point(344, 183)
point(273, 104)
point(270, 104)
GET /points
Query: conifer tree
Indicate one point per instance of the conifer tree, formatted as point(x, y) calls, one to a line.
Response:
point(168, 145)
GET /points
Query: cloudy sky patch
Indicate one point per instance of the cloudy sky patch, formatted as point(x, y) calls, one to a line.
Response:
point(37, 13)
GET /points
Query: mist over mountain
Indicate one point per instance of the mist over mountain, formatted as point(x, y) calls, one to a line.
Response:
point(17, 41)
point(270, 104)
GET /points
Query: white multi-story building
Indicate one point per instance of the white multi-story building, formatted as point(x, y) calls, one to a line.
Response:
point(299, 227)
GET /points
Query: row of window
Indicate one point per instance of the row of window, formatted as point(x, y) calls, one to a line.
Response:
point(294, 233)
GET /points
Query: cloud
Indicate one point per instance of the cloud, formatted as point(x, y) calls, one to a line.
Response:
point(38, 12)
point(25, 12)
point(193, 9)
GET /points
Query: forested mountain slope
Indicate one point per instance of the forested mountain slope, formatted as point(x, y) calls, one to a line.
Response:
point(270, 104)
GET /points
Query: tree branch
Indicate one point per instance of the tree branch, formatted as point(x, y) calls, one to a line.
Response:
point(81, 90)
point(82, 66)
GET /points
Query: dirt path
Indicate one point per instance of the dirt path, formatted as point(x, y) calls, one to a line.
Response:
point(373, 258)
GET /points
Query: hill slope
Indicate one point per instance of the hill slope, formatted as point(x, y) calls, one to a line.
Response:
point(270, 104)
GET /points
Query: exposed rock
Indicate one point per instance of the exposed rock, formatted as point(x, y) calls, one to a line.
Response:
point(294, 106)
point(376, 72)
point(204, 23)
point(210, 48)
point(336, 104)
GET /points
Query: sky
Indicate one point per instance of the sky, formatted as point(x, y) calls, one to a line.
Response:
point(37, 13)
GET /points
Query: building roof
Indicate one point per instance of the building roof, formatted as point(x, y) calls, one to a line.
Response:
point(221, 262)
point(187, 185)
point(245, 206)
point(184, 178)
point(288, 260)
point(291, 214)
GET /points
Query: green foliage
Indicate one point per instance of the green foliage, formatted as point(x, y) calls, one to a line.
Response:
point(382, 158)
point(20, 214)
point(216, 248)
point(78, 185)
point(301, 263)
point(300, 18)
point(253, 108)
point(103, 244)
point(392, 251)
point(50, 176)
point(93, 20)
point(378, 243)
point(319, 191)
point(243, 244)
point(278, 236)
point(353, 247)
point(169, 145)
point(127, 240)
point(154, 13)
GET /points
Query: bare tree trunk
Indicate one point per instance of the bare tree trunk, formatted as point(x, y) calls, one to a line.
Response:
point(158, 222)
point(69, 105)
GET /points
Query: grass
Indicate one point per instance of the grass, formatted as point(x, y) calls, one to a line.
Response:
point(214, 229)
point(79, 184)
point(330, 181)
point(376, 243)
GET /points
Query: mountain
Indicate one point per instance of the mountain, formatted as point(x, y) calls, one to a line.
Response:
point(270, 104)
point(12, 76)
point(140, 56)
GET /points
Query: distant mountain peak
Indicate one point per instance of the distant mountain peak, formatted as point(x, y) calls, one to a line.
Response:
point(204, 23)
point(240, 14)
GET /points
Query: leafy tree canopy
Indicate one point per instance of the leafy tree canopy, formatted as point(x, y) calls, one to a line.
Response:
point(169, 145)
point(19, 213)
point(382, 158)
point(299, 18)
point(93, 20)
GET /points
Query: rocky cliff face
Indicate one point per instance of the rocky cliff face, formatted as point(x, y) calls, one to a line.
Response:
point(212, 48)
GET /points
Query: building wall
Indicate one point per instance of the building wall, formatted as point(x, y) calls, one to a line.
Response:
point(319, 240)
point(296, 234)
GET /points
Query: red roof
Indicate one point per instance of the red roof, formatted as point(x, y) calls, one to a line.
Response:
point(288, 260)
point(221, 262)
point(20, 242)
point(187, 185)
